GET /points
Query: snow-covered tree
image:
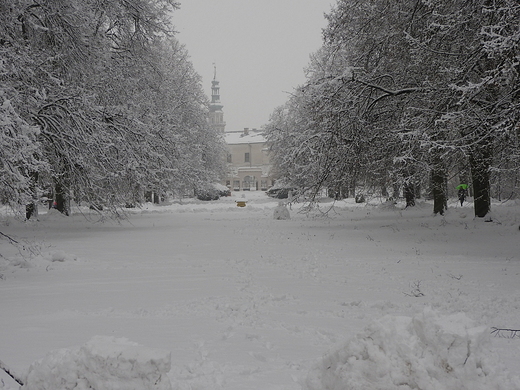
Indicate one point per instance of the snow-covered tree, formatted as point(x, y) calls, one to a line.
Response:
point(356, 106)
point(474, 85)
point(20, 157)
point(434, 84)
point(118, 106)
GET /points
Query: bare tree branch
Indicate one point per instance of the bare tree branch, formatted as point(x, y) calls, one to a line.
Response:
point(9, 372)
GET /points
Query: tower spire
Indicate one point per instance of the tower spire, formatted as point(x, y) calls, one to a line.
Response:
point(216, 116)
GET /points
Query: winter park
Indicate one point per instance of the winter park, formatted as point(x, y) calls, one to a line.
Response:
point(333, 203)
point(230, 298)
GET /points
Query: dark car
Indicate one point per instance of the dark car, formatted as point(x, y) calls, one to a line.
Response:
point(280, 192)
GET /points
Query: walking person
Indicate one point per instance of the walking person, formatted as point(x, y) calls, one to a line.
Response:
point(462, 192)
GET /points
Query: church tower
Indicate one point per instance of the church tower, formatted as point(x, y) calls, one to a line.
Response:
point(216, 116)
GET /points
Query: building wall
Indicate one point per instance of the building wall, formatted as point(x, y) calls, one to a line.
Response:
point(247, 162)
point(216, 120)
point(248, 155)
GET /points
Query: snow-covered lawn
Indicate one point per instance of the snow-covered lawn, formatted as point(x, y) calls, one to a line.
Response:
point(243, 301)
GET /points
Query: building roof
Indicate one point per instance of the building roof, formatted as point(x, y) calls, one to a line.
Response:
point(244, 137)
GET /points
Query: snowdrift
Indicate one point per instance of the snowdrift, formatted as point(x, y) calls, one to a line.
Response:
point(103, 363)
point(426, 352)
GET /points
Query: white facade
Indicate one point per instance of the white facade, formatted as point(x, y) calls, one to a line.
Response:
point(248, 167)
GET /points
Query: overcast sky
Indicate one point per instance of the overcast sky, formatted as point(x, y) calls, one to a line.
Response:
point(260, 48)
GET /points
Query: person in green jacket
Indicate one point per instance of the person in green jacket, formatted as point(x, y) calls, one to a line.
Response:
point(462, 192)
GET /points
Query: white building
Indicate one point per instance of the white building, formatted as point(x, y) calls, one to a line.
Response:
point(248, 167)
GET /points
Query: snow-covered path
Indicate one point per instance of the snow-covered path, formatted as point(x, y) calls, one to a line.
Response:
point(246, 302)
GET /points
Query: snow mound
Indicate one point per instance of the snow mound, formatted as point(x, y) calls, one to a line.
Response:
point(281, 212)
point(427, 352)
point(61, 256)
point(103, 363)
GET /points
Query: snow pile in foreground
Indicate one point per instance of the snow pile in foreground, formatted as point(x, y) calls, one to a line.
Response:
point(427, 352)
point(103, 363)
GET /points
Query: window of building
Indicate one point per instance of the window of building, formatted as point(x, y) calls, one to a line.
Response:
point(246, 157)
point(263, 185)
point(236, 185)
point(229, 158)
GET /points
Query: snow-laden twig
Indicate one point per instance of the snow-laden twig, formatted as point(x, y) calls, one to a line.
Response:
point(9, 372)
point(9, 238)
point(506, 333)
point(25, 248)
point(416, 290)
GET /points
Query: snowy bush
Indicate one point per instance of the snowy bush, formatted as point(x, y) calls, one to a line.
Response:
point(103, 363)
point(212, 191)
point(426, 352)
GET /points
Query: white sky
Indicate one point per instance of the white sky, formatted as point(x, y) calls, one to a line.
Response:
point(260, 48)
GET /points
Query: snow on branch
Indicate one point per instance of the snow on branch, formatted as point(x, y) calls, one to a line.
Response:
point(388, 92)
point(9, 238)
point(6, 369)
point(506, 333)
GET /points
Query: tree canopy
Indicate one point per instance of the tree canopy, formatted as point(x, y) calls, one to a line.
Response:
point(99, 103)
point(408, 94)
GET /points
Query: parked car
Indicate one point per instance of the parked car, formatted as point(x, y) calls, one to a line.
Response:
point(281, 192)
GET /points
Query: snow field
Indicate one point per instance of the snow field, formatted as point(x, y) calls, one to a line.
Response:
point(243, 301)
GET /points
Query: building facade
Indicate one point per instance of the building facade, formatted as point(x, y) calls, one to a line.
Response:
point(248, 167)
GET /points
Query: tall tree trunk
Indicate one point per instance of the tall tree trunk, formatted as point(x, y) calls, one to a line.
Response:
point(409, 189)
point(439, 191)
point(480, 162)
point(409, 194)
point(384, 191)
point(438, 184)
point(31, 209)
point(62, 198)
point(351, 191)
point(395, 191)
point(417, 190)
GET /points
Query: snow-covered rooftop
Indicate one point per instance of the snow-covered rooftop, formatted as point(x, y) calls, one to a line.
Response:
point(244, 137)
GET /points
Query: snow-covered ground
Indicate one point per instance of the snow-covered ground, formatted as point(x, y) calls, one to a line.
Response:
point(243, 301)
